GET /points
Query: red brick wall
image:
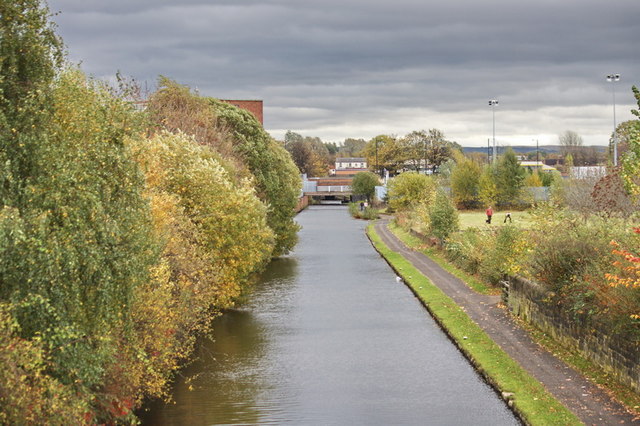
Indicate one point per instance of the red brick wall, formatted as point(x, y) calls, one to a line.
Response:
point(254, 107)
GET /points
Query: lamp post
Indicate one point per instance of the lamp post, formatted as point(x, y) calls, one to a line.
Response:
point(612, 78)
point(492, 104)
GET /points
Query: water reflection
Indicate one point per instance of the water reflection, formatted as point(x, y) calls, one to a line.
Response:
point(330, 337)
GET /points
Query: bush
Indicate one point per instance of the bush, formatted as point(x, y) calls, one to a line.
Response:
point(368, 213)
point(443, 217)
point(505, 255)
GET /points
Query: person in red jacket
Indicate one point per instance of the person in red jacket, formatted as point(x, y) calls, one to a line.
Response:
point(489, 214)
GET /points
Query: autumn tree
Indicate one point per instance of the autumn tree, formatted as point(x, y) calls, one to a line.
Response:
point(631, 160)
point(409, 189)
point(277, 179)
point(414, 148)
point(384, 152)
point(487, 188)
point(465, 183)
point(310, 154)
point(364, 183)
point(352, 147)
point(509, 177)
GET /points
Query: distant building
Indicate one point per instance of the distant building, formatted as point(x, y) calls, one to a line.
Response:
point(254, 107)
point(537, 165)
point(349, 166)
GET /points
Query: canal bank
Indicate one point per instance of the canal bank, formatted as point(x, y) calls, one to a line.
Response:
point(445, 295)
point(330, 337)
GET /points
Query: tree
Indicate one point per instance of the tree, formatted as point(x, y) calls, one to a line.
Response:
point(383, 152)
point(414, 148)
point(277, 179)
point(352, 147)
point(465, 183)
point(443, 216)
point(571, 144)
point(439, 149)
point(631, 160)
point(625, 133)
point(310, 154)
point(509, 179)
point(488, 191)
point(30, 55)
point(364, 183)
point(569, 141)
point(410, 188)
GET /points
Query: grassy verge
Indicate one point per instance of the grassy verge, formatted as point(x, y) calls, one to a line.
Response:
point(526, 396)
point(415, 243)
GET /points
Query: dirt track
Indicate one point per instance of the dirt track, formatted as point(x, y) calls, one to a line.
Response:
point(588, 402)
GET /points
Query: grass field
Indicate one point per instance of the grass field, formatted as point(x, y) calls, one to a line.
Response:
point(477, 219)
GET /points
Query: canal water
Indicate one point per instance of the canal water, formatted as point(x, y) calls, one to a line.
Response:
point(330, 337)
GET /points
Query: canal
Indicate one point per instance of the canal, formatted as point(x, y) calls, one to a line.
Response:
point(329, 337)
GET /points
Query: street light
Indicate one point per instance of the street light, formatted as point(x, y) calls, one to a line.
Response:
point(612, 78)
point(492, 104)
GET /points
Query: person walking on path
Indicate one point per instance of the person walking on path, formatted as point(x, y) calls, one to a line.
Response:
point(489, 213)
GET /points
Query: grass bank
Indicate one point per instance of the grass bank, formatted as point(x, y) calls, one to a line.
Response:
point(525, 395)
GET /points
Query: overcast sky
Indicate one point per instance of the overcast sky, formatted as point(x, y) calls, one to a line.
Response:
point(358, 68)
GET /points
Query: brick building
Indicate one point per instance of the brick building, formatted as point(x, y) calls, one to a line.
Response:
point(254, 107)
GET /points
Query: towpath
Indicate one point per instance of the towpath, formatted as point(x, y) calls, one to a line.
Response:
point(591, 404)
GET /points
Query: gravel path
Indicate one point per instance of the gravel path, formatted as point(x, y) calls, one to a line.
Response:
point(592, 405)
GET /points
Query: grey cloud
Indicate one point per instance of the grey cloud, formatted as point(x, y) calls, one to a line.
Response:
point(354, 61)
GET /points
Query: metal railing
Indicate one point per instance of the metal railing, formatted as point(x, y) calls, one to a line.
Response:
point(334, 188)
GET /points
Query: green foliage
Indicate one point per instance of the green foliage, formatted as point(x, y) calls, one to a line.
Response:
point(443, 216)
point(30, 52)
point(630, 162)
point(277, 178)
point(368, 213)
point(488, 190)
point(364, 183)
point(28, 395)
point(465, 183)
point(310, 154)
point(77, 246)
point(384, 152)
point(409, 189)
point(209, 198)
point(509, 181)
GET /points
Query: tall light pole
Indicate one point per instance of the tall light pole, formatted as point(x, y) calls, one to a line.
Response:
point(492, 104)
point(612, 78)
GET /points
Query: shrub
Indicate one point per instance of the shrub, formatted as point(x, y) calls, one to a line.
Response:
point(505, 255)
point(443, 216)
point(367, 213)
